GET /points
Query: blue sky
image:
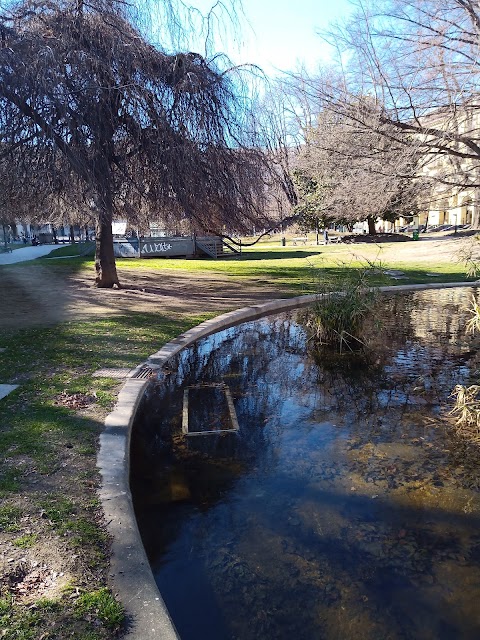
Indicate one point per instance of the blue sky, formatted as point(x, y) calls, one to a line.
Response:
point(280, 34)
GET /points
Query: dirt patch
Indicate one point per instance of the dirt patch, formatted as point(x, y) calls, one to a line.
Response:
point(36, 295)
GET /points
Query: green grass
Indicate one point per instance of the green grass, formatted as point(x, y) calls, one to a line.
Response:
point(77, 249)
point(37, 431)
point(292, 268)
point(9, 479)
point(296, 267)
point(26, 541)
point(94, 615)
point(102, 604)
point(10, 518)
point(19, 623)
point(58, 511)
point(50, 361)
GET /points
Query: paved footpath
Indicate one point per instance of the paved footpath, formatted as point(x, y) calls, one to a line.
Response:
point(27, 253)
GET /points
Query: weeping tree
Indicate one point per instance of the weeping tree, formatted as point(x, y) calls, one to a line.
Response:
point(96, 113)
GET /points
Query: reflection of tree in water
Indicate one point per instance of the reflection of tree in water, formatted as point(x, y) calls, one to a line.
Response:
point(282, 535)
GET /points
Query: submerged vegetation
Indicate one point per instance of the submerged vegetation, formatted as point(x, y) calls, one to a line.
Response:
point(466, 409)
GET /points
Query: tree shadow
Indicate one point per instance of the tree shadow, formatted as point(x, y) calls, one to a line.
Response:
point(281, 254)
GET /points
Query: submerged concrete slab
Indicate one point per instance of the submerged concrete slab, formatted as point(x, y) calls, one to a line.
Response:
point(5, 389)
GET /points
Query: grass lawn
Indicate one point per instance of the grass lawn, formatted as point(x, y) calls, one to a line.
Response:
point(300, 265)
point(298, 269)
point(54, 580)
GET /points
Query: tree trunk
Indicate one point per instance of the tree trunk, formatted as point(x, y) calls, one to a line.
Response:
point(476, 217)
point(72, 234)
point(371, 226)
point(426, 223)
point(104, 254)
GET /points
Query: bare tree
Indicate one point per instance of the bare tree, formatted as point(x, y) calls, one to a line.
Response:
point(413, 67)
point(96, 112)
point(347, 173)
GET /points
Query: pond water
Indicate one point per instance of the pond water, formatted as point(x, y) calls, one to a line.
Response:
point(342, 508)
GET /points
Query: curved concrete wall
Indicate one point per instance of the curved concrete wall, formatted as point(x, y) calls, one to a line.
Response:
point(130, 572)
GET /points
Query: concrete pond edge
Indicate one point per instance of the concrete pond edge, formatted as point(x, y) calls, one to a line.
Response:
point(130, 573)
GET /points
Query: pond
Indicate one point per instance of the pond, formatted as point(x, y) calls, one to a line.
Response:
point(331, 500)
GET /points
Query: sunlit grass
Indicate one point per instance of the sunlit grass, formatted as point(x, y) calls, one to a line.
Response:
point(291, 268)
point(296, 267)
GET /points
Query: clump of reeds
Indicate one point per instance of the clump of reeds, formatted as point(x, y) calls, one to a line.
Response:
point(473, 323)
point(467, 410)
point(338, 316)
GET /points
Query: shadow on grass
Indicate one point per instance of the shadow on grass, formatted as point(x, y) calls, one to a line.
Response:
point(117, 341)
point(59, 361)
point(281, 254)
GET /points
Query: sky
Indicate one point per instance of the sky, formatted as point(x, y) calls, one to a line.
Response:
point(281, 34)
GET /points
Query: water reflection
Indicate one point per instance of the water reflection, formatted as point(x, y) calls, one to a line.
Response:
point(341, 509)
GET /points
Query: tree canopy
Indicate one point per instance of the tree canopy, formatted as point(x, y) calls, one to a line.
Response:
point(91, 110)
point(413, 67)
point(344, 173)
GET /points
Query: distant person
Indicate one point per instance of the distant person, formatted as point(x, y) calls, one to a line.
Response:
point(325, 236)
point(24, 238)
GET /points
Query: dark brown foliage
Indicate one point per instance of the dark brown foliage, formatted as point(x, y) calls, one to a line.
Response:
point(97, 115)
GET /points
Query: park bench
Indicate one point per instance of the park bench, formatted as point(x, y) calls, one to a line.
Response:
point(300, 240)
point(4, 249)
